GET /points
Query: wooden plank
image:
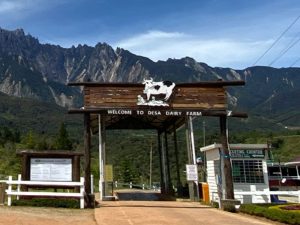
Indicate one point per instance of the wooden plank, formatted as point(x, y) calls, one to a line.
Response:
point(112, 89)
point(199, 105)
point(108, 95)
point(112, 100)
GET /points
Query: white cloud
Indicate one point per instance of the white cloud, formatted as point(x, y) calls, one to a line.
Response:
point(7, 6)
point(19, 8)
point(159, 45)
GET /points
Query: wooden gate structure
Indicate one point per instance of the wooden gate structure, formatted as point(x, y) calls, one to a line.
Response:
point(160, 106)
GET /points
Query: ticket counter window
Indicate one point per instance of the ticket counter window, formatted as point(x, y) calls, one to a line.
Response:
point(247, 171)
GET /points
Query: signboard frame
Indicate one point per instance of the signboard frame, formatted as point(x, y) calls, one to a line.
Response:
point(51, 169)
point(191, 172)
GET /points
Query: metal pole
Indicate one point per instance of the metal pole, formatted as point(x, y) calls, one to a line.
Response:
point(150, 167)
point(203, 133)
point(100, 159)
point(193, 153)
point(192, 139)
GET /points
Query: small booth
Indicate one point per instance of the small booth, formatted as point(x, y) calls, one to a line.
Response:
point(249, 171)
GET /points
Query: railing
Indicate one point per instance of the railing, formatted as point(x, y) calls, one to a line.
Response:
point(278, 177)
point(10, 192)
point(253, 194)
point(131, 185)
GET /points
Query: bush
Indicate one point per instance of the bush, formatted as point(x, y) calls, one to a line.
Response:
point(229, 208)
point(272, 212)
point(215, 204)
point(43, 202)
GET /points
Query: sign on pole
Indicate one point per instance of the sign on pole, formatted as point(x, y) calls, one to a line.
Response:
point(109, 177)
point(191, 172)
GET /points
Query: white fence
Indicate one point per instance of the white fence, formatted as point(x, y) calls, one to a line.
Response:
point(256, 196)
point(10, 192)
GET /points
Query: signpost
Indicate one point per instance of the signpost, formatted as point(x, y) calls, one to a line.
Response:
point(191, 172)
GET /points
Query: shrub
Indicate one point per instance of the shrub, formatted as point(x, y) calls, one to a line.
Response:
point(272, 212)
point(43, 202)
point(215, 204)
point(229, 208)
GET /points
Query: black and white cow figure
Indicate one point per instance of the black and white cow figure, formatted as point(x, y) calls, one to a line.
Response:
point(157, 88)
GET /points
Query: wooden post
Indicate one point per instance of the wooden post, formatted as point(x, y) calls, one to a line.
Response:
point(89, 197)
point(168, 174)
point(25, 170)
point(227, 170)
point(179, 184)
point(162, 179)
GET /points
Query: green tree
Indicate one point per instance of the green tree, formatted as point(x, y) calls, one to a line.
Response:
point(30, 141)
point(62, 141)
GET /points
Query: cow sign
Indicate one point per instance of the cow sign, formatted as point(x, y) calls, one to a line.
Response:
point(152, 89)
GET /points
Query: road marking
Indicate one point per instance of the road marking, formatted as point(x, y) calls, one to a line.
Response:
point(125, 215)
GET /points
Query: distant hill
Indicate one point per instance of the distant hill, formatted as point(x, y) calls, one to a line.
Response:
point(26, 114)
point(40, 71)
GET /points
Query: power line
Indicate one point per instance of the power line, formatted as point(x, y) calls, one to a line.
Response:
point(285, 51)
point(297, 60)
point(280, 36)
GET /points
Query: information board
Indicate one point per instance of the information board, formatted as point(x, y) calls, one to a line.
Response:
point(50, 169)
point(191, 172)
point(247, 153)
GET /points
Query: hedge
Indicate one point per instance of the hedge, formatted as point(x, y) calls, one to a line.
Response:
point(43, 202)
point(272, 212)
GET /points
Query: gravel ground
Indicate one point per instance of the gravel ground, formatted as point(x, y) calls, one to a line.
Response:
point(45, 216)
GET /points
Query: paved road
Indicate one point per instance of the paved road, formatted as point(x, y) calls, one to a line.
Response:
point(167, 213)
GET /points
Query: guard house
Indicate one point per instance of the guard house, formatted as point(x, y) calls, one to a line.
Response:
point(160, 106)
point(249, 171)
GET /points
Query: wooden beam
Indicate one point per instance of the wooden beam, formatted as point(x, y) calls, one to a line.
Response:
point(217, 83)
point(161, 165)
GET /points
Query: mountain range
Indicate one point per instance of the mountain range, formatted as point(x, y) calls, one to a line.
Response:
point(29, 69)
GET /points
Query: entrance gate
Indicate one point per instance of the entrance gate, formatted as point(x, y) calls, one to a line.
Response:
point(160, 106)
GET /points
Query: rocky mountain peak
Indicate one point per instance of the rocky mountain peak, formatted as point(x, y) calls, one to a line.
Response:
point(28, 68)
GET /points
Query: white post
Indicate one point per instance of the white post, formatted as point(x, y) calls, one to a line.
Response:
point(193, 153)
point(19, 186)
point(143, 186)
point(92, 184)
point(253, 190)
point(82, 193)
point(130, 185)
point(9, 191)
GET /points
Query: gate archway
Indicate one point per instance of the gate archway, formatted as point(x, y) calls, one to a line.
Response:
point(160, 106)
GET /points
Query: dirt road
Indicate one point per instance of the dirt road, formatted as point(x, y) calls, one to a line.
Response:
point(126, 213)
point(167, 213)
point(45, 216)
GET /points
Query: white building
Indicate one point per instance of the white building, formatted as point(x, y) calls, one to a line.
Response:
point(249, 170)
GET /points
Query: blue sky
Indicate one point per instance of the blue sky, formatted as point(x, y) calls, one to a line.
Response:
point(224, 33)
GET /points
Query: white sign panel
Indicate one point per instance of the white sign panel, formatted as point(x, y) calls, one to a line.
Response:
point(50, 169)
point(191, 173)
